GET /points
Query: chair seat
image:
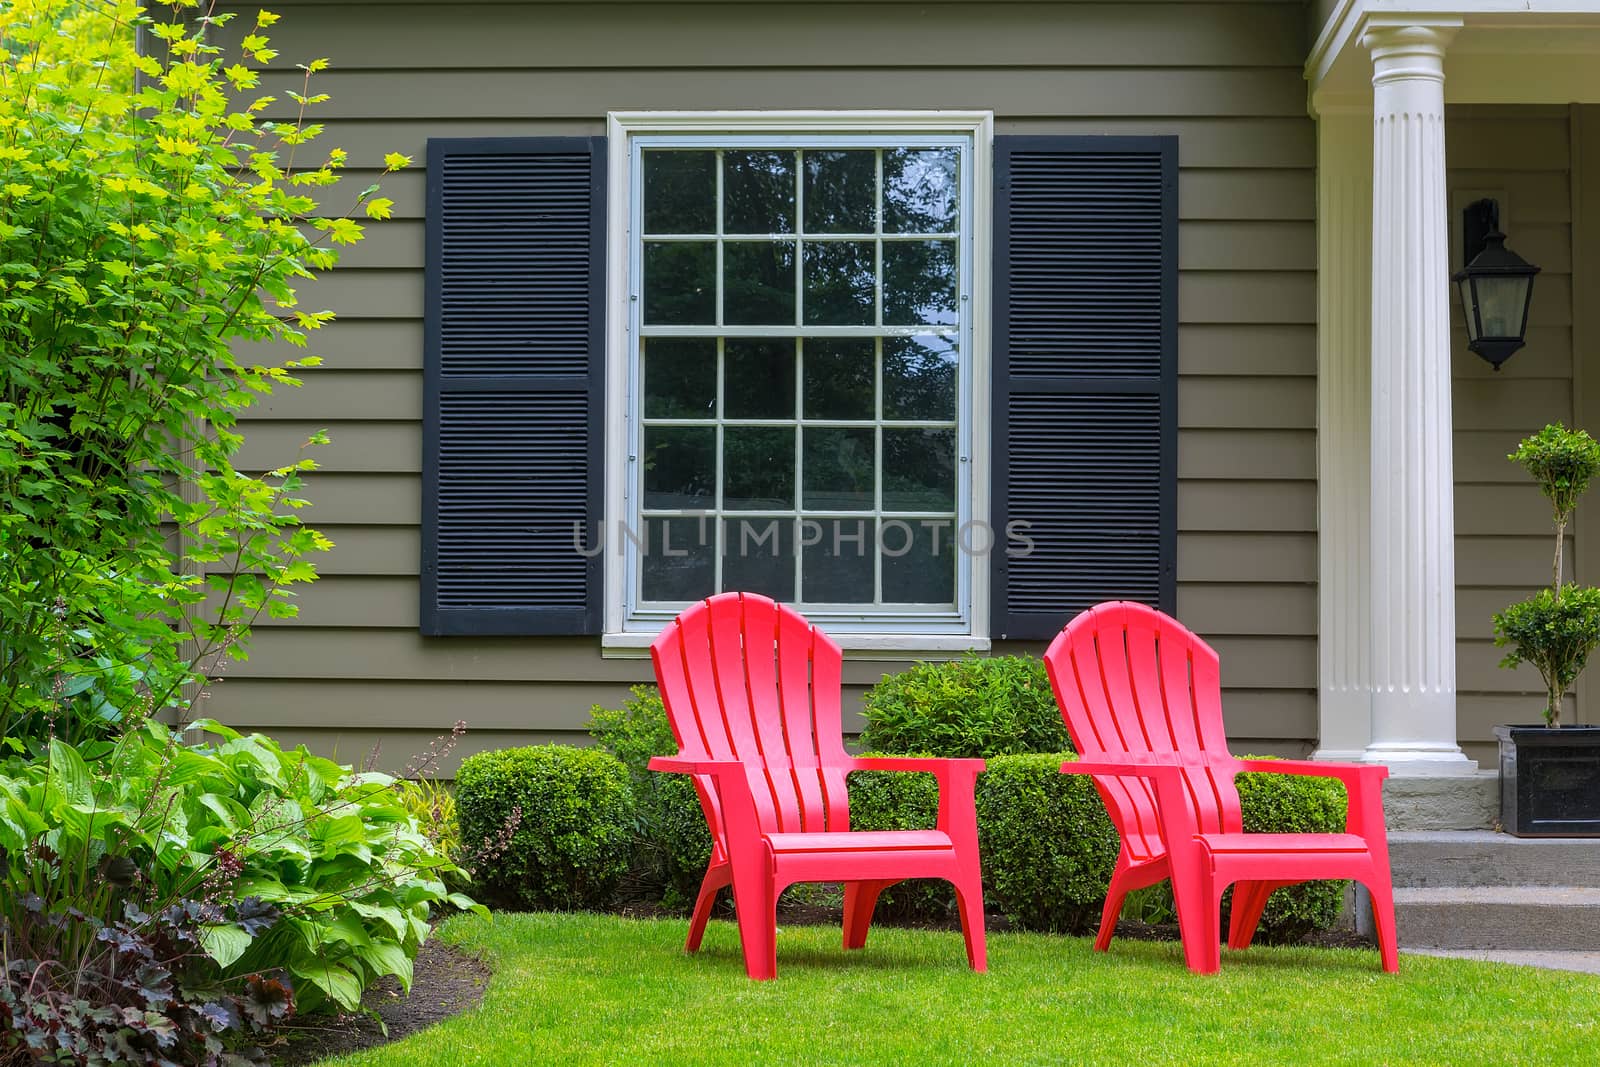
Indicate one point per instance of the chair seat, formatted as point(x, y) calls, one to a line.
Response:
point(862, 841)
point(1282, 843)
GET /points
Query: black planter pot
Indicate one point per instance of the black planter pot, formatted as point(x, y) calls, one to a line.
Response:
point(1550, 780)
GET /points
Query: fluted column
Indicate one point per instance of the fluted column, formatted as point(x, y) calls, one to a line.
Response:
point(1413, 525)
point(1344, 405)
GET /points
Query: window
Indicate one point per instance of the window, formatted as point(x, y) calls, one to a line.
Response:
point(800, 376)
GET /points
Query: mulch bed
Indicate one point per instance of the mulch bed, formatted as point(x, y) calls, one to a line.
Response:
point(447, 982)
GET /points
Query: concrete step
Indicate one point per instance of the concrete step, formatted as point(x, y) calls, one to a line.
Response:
point(1518, 918)
point(1584, 962)
point(1460, 858)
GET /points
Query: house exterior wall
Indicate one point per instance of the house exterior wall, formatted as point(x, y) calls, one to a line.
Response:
point(1504, 537)
point(353, 671)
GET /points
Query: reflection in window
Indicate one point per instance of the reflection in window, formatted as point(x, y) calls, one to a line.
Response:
point(800, 315)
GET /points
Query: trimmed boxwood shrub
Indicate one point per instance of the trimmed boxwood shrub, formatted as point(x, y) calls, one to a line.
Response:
point(1048, 846)
point(967, 707)
point(671, 844)
point(554, 824)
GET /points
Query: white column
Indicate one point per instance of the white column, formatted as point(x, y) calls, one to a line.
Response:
point(1344, 403)
point(1413, 524)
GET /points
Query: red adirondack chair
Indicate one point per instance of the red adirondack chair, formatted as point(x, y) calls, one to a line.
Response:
point(1142, 699)
point(752, 691)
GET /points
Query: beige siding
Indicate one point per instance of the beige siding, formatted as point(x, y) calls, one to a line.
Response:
point(1224, 77)
point(1504, 537)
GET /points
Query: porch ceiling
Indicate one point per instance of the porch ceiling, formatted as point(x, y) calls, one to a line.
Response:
point(1527, 52)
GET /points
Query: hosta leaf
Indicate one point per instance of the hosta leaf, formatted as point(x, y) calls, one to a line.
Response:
point(224, 942)
point(336, 982)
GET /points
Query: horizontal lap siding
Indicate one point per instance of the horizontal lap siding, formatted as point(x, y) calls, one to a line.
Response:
point(1225, 78)
point(1504, 537)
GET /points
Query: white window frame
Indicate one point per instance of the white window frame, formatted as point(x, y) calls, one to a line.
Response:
point(895, 638)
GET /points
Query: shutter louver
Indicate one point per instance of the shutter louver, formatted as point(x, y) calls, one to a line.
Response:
point(1085, 385)
point(514, 397)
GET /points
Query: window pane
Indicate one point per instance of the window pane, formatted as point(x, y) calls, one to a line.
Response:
point(680, 378)
point(839, 378)
point(840, 188)
point(919, 283)
point(837, 560)
point(919, 378)
point(757, 468)
point(919, 470)
point(839, 283)
point(677, 560)
point(919, 561)
point(680, 192)
point(758, 379)
point(680, 283)
point(921, 193)
point(758, 556)
point(680, 466)
point(839, 469)
point(757, 192)
point(758, 283)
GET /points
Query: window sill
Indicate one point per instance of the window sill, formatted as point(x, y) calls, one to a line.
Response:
point(857, 646)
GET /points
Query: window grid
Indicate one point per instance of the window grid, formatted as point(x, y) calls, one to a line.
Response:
point(794, 517)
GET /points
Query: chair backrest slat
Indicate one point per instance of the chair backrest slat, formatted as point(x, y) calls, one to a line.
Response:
point(1132, 681)
point(747, 679)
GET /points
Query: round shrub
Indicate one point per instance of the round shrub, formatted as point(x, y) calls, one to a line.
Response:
point(896, 800)
point(1293, 804)
point(974, 706)
point(1048, 846)
point(552, 824)
point(673, 845)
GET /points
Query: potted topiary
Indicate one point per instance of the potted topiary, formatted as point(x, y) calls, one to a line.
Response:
point(1550, 774)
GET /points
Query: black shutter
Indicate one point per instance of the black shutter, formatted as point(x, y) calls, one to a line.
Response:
point(513, 369)
point(1085, 377)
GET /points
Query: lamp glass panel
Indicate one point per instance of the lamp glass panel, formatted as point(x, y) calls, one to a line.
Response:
point(1500, 303)
point(1469, 311)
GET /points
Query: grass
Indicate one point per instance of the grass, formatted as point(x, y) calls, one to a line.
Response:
point(593, 989)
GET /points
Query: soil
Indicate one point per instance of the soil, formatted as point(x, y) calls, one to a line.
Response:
point(445, 981)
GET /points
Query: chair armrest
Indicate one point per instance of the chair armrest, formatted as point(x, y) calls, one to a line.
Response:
point(927, 764)
point(1363, 784)
point(1346, 772)
point(679, 765)
point(958, 810)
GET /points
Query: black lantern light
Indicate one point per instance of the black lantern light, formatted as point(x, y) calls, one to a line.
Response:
point(1496, 286)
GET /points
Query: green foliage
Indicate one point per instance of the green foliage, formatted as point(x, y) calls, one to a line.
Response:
point(1555, 633)
point(554, 824)
point(149, 228)
point(897, 800)
point(432, 803)
point(1293, 804)
point(280, 862)
point(1562, 462)
point(672, 844)
point(1556, 628)
point(973, 706)
point(1048, 846)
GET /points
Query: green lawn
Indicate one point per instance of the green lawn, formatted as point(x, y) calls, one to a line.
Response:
point(581, 989)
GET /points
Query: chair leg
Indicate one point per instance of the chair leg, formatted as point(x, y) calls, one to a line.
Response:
point(969, 903)
point(755, 900)
point(1199, 902)
point(717, 876)
point(1116, 894)
point(1249, 901)
point(859, 900)
point(1382, 894)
